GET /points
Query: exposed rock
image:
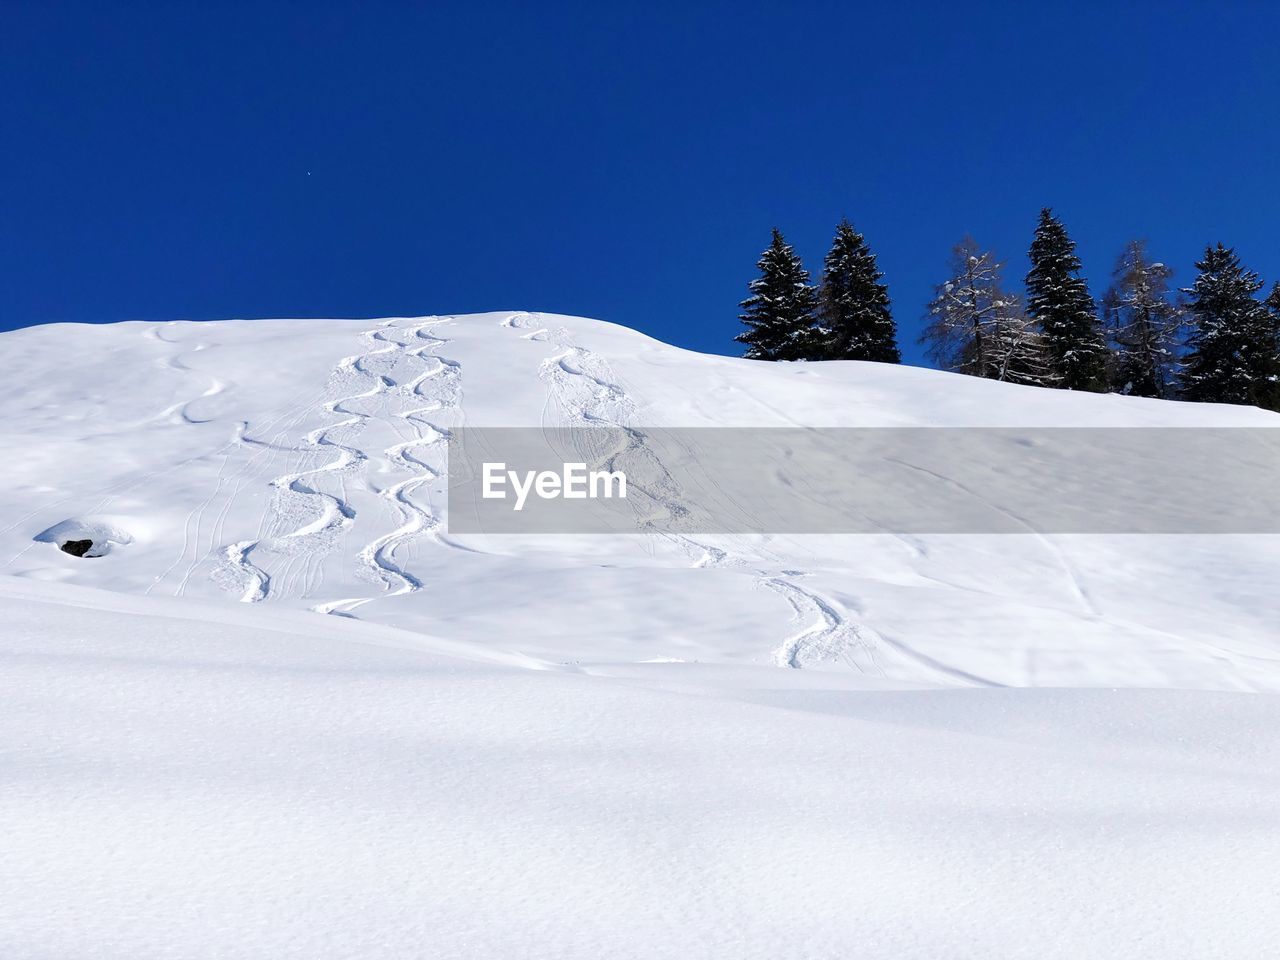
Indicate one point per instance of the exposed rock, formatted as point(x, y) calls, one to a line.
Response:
point(86, 536)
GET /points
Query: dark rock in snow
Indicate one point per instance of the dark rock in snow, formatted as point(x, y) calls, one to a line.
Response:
point(85, 536)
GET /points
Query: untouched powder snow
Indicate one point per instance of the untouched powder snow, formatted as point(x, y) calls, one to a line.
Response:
point(288, 713)
point(193, 781)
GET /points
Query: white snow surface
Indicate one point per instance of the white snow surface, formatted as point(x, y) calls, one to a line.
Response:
point(286, 713)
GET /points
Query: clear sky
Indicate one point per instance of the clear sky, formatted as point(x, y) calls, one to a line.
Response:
point(203, 160)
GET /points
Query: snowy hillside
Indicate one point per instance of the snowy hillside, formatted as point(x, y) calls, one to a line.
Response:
point(281, 710)
point(297, 464)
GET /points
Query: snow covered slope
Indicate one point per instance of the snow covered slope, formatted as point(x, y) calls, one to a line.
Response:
point(297, 464)
point(287, 714)
point(186, 780)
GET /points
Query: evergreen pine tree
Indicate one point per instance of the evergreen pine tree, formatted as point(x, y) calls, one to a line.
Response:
point(779, 314)
point(1232, 347)
point(854, 304)
point(1273, 301)
point(1271, 398)
point(1058, 300)
point(974, 327)
point(1143, 324)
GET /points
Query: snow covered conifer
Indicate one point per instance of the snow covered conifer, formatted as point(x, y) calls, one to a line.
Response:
point(975, 327)
point(1232, 346)
point(1271, 397)
point(854, 304)
point(1143, 324)
point(779, 314)
point(1058, 300)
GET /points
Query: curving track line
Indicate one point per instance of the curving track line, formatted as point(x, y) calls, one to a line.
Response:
point(316, 518)
point(585, 389)
point(436, 389)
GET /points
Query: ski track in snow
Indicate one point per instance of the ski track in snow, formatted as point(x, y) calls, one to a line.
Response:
point(197, 544)
point(830, 635)
point(302, 523)
point(1074, 580)
point(587, 393)
point(181, 412)
point(305, 520)
point(373, 437)
point(436, 390)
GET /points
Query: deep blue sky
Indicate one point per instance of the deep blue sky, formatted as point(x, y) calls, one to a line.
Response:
point(163, 160)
